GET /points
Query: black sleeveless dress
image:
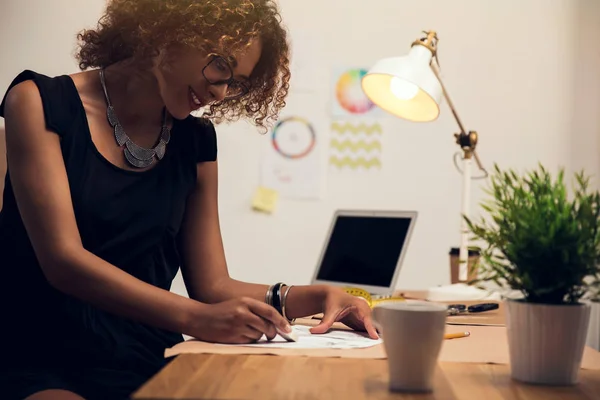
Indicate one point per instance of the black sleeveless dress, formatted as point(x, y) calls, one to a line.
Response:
point(130, 219)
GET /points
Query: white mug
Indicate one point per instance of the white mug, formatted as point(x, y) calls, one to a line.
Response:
point(412, 334)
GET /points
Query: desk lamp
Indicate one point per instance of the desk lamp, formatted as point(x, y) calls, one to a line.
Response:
point(410, 88)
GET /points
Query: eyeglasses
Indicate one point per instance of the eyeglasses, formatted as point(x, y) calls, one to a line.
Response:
point(219, 72)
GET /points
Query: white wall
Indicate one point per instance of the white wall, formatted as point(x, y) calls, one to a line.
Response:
point(585, 128)
point(40, 35)
point(518, 72)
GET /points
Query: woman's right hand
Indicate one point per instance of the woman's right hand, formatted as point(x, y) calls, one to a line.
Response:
point(237, 321)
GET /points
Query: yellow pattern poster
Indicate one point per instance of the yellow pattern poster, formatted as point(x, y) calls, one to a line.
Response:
point(355, 145)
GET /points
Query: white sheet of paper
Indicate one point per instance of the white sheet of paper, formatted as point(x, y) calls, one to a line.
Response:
point(336, 339)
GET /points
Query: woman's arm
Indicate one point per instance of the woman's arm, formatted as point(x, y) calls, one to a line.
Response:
point(42, 193)
point(206, 277)
point(204, 267)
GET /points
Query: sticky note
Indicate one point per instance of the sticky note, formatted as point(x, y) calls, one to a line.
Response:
point(265, 199)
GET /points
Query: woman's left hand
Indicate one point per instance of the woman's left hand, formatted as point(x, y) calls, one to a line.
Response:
point(350, 310)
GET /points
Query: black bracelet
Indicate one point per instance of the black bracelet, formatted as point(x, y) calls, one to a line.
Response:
point(276, 296)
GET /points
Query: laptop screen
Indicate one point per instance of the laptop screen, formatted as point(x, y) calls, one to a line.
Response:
point(364, 250)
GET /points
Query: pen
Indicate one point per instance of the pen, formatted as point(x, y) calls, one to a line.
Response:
point(457, 335)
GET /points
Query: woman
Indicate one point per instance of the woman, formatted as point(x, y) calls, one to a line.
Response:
point(113, 187)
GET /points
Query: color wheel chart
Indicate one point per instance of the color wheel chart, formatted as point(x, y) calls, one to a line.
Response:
point(291, 162)
point(348, 96)
point(293, 137)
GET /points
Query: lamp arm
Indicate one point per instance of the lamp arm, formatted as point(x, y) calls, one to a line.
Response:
point(436, 71)
point(467, 142)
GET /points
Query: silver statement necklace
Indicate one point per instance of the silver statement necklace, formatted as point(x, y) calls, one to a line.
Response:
point(135, 155)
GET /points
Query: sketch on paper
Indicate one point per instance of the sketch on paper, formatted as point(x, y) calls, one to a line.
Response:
point(334, 339)
point(291, 163)
point(355, 145)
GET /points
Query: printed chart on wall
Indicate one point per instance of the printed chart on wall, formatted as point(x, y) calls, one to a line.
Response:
point(347, 97)
point(355, 145)
point(291, 164)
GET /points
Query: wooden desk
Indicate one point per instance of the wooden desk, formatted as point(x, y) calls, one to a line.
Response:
point(204, 376)
point(226, 376)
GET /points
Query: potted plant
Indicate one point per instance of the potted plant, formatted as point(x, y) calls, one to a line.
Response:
point(544, 244)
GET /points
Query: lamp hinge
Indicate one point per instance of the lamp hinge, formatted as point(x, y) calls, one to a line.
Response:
point(467, 142)
point(430, 42)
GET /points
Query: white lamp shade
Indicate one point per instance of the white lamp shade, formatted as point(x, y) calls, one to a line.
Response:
point(405, 86)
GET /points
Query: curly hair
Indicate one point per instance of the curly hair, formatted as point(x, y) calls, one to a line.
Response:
point(140, 29)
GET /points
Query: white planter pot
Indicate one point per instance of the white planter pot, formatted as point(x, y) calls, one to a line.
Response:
point(546, 342)
point(593, 337)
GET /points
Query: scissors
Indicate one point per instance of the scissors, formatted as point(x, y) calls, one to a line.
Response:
point(455, 309)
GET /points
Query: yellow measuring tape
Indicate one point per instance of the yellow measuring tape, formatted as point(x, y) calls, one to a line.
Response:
point(369, 299)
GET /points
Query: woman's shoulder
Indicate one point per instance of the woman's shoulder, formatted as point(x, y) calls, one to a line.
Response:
point(58, 99)
point(46, 84)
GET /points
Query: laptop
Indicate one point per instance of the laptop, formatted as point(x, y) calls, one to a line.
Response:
point(365, 249)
